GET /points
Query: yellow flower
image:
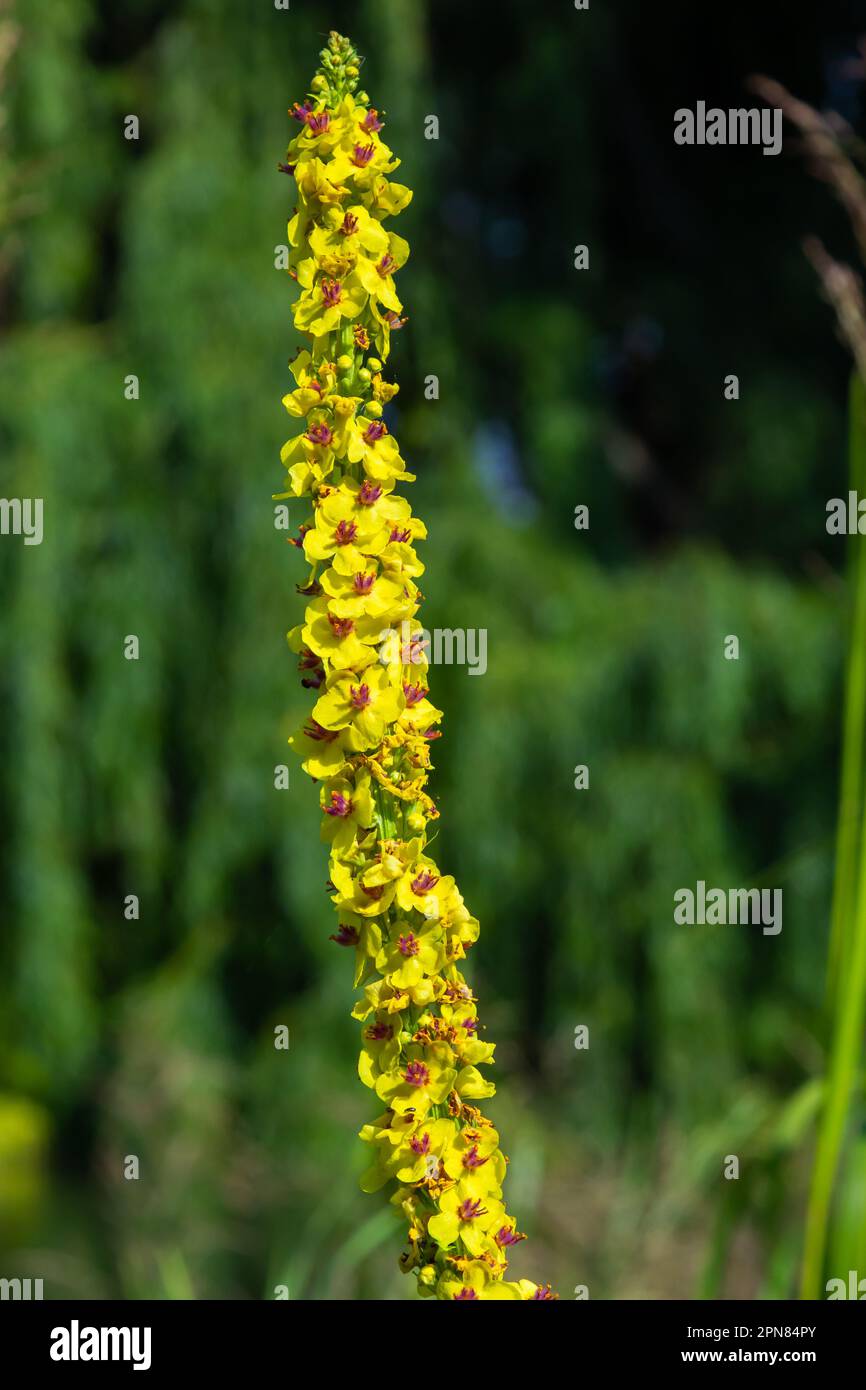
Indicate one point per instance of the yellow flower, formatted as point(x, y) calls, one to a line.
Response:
point(309, 457)
point(376, 502)
point(323, 130)
point(466, 1217)
point(313, 386)
point(323, 751)
point(326, 436)
point(477, 1282)
point(473, 1156)
point(342, 529)
point(317, 186)
point(371, 445)
point(363, 704)
point(410, 954)
point(461, 928)
point(377, 274)
point(366, 938)
point(362, 648)
point(349, 229)
point(419, 712)
point(387, 198)
point(367, 593)
point(383, 391)
point(423, 1078)
point(462, 1022)
point(422, 889)
point(379, 996)
point(404, 650)
point(380, 1050)
point(355, 893)
point(346, 643)
point(347, 808)
point(398, 557)
point(362, 160)
point(471, 1085)
point(324, 305)
point(409, 1150)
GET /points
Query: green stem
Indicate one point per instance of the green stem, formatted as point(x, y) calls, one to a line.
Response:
point(847, 966)
point(842, 1073)
point(385, 818)
point(854, 722)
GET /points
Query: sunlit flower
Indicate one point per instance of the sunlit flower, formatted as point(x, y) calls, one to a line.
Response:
point(364, 652)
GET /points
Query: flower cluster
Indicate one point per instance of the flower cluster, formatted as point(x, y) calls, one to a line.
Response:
point(367, 742)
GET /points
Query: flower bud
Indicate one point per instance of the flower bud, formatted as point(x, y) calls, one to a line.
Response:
point(345, 362)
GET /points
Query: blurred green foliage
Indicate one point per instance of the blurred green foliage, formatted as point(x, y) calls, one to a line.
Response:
point(154, 1037)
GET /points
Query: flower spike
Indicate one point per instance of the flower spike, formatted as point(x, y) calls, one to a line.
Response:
point(362, 652)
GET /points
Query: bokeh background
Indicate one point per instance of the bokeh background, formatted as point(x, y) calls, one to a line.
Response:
point(154, 1037)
